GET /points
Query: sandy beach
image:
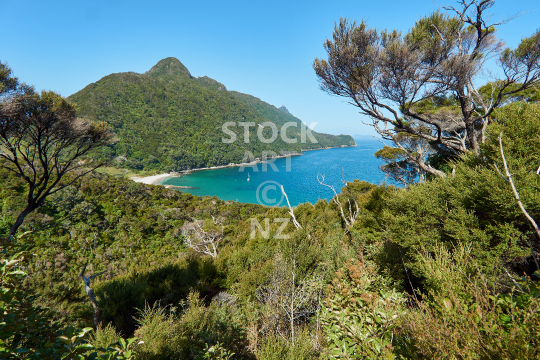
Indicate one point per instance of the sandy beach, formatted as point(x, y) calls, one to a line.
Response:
point(153, 180)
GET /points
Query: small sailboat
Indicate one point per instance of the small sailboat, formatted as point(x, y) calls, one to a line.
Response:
point(248, 178)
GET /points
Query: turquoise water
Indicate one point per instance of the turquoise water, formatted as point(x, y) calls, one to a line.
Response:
point(299, 177)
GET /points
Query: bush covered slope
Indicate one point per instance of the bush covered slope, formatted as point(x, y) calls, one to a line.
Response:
point(422, 272)
point(167, 120)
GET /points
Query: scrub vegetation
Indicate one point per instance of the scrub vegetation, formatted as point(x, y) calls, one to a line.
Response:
point(446, 268)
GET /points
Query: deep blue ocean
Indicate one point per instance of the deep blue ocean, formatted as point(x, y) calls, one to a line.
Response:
point(297, 175)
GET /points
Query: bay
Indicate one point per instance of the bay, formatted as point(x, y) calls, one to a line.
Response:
point(260, 183)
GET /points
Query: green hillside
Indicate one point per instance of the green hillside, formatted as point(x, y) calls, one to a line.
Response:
point(167, 120)
point(280, 116)
point(421, 269)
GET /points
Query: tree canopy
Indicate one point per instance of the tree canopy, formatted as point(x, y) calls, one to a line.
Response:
point(41, 140)
point(398, 79)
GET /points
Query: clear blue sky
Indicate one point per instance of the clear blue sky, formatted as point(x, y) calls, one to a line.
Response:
point(262, 48)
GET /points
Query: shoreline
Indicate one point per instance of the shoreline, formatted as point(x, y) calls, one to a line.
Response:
point(152, 180)
point(333, 147)
point(158, 179)
point(251, 163)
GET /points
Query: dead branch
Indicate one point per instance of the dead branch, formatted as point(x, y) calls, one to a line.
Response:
point(516, 195)
point(90, 292)
point(291, 211)
point(200, 240)
point(349, 220)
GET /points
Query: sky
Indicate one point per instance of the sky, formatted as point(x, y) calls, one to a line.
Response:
point(262, 48)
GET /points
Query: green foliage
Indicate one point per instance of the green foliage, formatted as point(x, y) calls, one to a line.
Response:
point(8, 82)
point(129, 229)
point(360, 315)
point(390, 153)
point(26, 331)
point(216, 323)
point(217, 352)
point(446, 239)
point(275, 347)
point(529, 95)
point(398, 166)
point(433, 34)
point(119, 298)
point(192, 333)
point(167, 121)
point(169, 68)
point(102, 337)
point(476, 205)
point(462, 315)
point(159, 332)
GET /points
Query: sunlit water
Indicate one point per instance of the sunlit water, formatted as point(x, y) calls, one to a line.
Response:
point(300, 182)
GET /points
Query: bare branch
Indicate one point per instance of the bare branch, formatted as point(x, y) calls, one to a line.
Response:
point(200, 240)
point(90, 292)
point(291, 211)
point(349, 220)
point(516, 195)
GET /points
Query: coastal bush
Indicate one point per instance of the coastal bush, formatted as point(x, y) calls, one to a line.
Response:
point(275, 347)
point(361, 313)
point(188, 333)
point(28, 331)
point(160, 332)
point(133, 231)
point(475, 205)
point(463, 316)
point(174, 122)
point(104, 336)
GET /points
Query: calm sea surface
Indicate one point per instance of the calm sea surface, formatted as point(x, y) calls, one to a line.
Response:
point(299, 181)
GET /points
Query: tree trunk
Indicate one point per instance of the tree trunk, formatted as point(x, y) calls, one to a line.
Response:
point(472, 138)
point(90, 293)
point(97, 313)
point(19, 221)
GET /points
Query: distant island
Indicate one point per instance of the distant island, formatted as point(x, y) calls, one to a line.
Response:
point(167, 120)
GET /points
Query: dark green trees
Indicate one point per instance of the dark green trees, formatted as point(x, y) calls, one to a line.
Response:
point(42, 141)
point(167, 120)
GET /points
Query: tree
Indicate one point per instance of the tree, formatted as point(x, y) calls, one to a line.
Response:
point(291, 298)
point(424, 83)
point(90, 292)
point(8, 83)
point(398, 164)
point(200, 240)
point(42, 141)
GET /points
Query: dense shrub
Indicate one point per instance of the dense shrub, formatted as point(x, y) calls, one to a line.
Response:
point(447, 242)
point(360, 314)
point(464, 317)
point(274, 347)
point(189, 333)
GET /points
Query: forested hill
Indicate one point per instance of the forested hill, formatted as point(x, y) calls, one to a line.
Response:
point(165, 119)
point(281, 116)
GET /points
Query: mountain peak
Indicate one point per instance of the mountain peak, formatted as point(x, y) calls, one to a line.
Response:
point(284, 109)
point(168, 67)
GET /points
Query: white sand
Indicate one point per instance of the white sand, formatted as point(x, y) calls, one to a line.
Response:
point(152, 180)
